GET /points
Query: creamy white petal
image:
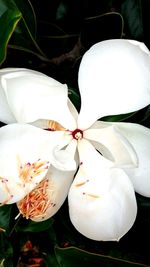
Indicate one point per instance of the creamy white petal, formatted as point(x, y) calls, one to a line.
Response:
point(53, 125)
point(64, 153)
point(114, 78)
point(121, 152)
point(25, 156)
point(139, 137)
point(6, 114)
point(34, 96)
point(45, 200)
point(72, 109)
point(102, 202)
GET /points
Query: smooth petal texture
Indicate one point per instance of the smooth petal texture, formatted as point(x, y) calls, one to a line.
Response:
point(114, 78)
point(45, 200)
point(139, 137)
point(33, 96)
point(118, 148)
point(53, 125)
point(6, 114)
point(102, 202)
point(25, 156)
point(64, 153)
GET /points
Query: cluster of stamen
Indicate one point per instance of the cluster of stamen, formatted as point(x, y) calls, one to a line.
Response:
point(28, 171)
point(54, 126)
point(35, 204)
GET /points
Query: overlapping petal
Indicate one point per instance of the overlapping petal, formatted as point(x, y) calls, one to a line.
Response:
point(32, 96)
point(102, 202)
point(25, 156)
point(139, 137)
point(117, 147)
point(114, 78)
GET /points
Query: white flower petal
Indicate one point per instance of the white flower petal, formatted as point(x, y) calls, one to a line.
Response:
point(102, 202)
point(25, 155)
point(114, 78)
point(6, 114)
point(64, 158)
point(139, 137)
point(53, 125)
point(117, 147)
point(72, 109)
point(45, 200)
point(34, 96)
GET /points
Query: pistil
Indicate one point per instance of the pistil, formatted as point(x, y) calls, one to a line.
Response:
point(77, 134)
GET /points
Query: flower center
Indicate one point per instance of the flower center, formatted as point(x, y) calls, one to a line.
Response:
point(77, 134)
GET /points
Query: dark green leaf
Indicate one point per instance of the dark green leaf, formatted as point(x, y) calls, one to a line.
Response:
point(73, 257)
point(31, 226)
point(121, 117)
point(28, 15)
point(51, 261)
point(24, 37)
point(6, 251)
point(132, 14)
point(9, 18)
point(5, 216)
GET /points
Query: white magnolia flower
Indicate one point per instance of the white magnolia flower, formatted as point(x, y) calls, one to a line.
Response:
point(113, 158)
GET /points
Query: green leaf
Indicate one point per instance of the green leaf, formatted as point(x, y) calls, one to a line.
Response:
point(24, 37)
point(132, 13)
point(31, 226)
point(50, 260)
point(6, 251)
point(18, 28)
point(5, 217)
point(72, 257)
point(117, 118)
point(28, 15)
point(9, 18)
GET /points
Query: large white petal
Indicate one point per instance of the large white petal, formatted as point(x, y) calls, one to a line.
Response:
point(114, 78)
point(113, 145)
point(25, 156)
point(53, 125)
point(6, 114)
point(102, 202)
point(47, 198)
point(139, 137)
point(34, 96)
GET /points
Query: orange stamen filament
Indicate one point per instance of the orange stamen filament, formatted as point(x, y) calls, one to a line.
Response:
point(35, 204)
point(29, 171)
point(55, 126)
